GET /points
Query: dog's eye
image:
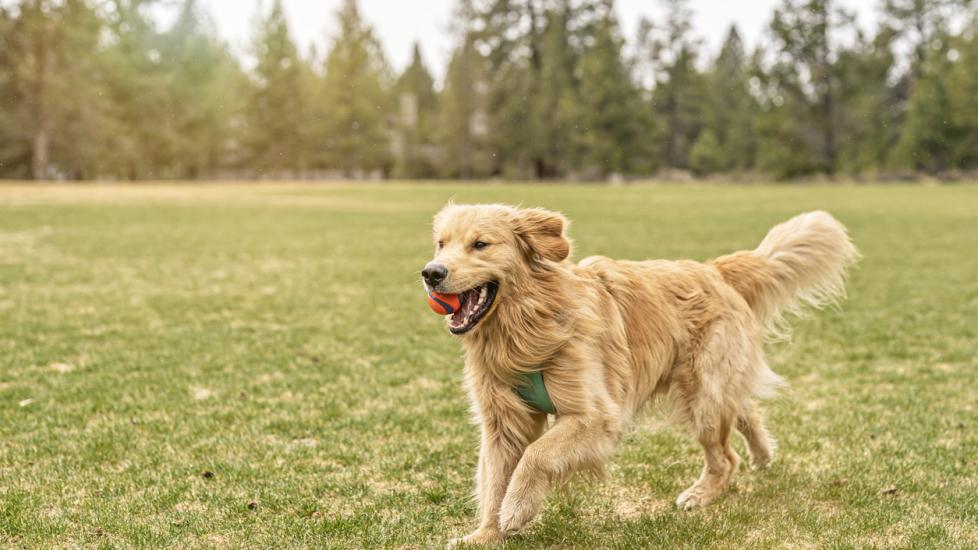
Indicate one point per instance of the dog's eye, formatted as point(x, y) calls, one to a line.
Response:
point(441, 244)
point(479, 245)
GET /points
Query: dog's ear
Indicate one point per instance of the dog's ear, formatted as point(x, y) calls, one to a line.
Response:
point(543, 232)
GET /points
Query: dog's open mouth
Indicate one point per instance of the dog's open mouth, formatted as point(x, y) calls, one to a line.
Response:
point(475, 303)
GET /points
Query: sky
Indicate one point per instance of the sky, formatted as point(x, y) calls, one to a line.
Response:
point(399, 23)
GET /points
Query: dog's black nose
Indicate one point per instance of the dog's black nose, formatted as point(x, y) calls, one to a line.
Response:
point(434, 274)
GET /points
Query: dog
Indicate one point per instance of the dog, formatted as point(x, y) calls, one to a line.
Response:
point(608, 337)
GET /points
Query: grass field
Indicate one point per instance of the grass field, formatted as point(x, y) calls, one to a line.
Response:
point(254, 366)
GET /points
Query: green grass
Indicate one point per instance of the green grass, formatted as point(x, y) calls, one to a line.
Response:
point(255, 366)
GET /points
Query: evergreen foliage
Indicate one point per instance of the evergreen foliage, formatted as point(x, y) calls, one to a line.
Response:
point(534, 89)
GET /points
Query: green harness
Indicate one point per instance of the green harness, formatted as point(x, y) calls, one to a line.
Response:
point(534, 392)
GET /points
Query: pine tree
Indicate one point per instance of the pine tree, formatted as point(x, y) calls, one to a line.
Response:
point(920, 22)
point(36, 79)
point(56, 96)
point(532, 49)
point(728, 113)
point(610, 129)
point(83, 117)
point(416, 108)
point(139, 132)
point(206, 87)
point(356, 92)
point(678, 97)
point(869, 106)
point(15, 149)
point(463, 126)
point(925, 143)
point(804, 81)
point(707, 155)
point(510, 32)
point(276, 140)
point(784, 148)
point(553, 103)
point(963, 90)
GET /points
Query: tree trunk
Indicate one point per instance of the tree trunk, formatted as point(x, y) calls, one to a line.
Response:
point(40, 143)
point(828, 106)
point(539, 168)
point(39, 153)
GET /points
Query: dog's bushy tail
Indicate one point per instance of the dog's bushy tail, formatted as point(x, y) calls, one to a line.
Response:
point(801, 262)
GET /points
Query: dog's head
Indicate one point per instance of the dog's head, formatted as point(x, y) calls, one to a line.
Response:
point(485, 253)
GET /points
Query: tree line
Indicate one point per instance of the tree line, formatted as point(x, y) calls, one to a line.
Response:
point(98, 89)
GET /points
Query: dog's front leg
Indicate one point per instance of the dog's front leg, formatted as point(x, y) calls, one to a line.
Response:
point(572, 443)
point(501, 446)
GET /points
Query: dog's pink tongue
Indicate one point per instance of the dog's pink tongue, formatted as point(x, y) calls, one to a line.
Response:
point(471, 302)
point(468, 306)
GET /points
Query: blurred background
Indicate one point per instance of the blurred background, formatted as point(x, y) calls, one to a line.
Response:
point(475, 89)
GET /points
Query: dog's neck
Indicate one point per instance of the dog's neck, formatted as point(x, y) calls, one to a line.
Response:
point(530, 325)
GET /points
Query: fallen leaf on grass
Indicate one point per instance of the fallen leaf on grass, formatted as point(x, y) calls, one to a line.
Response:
point(26, 402)
point(891, 490)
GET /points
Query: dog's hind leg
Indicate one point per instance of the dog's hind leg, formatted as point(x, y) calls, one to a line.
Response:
point(712, 389)
point(750, 424)
point(713, 432)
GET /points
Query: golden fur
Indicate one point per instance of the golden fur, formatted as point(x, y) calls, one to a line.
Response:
point(610, 335)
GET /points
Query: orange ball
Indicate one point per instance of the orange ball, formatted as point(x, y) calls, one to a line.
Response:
point(444, 304)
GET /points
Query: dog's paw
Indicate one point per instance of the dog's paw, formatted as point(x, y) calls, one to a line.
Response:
point(511, 523)
point(761, 461)
point(694, 497)
point(479, 537)
point(514, 516)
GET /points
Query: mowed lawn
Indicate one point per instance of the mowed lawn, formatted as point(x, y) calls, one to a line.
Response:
point(254, 366)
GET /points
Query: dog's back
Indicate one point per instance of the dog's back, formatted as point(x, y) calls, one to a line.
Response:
point(801, 262)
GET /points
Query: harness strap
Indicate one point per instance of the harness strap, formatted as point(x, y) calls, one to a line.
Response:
point(534, 392)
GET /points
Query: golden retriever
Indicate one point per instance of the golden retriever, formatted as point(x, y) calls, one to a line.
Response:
point(608, 336)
